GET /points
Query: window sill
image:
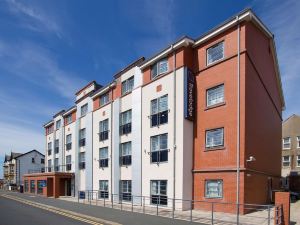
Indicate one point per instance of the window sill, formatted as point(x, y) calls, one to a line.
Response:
point(220, 198)
point(215, 106)
point(160, 75)
point(214, 148)
point(127, 93)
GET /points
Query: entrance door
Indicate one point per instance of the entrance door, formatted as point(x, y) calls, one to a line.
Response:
point(68, 187)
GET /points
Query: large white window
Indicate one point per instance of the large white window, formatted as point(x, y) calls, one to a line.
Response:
point(82, 137)
point(127, 85)
point(298, 142)
point(68, 162)
point(69, 119)
point(298, 161)
point(286, 161)
point(49, 148)
point(126, 190)
point(49, 165)
point(214, 138)
point(159, 111)
point(215, 95)
point(125, 122)
point(103, 188)
point(159, 192)
point(81, 160)
point(56, 146)
point(104, 99)
point(69, 141)
point(103, 130)
point(159, 148)
point(286, 142)
point(103, 157)
point(84, 109)
point(58, 124)
point(214, 188)
point(56, 166)
point(125, 158)
point(215, 53)
point(159, 68)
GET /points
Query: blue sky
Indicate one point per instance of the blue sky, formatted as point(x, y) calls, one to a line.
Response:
point(49, 49)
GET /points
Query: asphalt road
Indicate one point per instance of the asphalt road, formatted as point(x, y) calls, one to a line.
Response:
point(16, 213)
point(34, 216)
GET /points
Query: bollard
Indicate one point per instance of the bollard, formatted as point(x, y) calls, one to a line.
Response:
point(144, 204)
point(191, 213)
point(212, 213)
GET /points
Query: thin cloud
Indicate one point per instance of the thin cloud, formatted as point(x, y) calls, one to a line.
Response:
point(282, 17)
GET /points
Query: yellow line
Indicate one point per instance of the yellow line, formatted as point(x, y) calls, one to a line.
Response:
point(41, 206)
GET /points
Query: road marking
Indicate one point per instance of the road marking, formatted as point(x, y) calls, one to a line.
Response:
point(63, 212)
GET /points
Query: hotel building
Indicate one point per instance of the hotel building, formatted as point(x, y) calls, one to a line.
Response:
point(191, 122)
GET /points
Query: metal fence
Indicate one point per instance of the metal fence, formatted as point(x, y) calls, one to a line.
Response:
point(206, 212)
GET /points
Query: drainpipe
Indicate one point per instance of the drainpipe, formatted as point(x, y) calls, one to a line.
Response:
point(174, 123)
point(92, 150)
point(238, 123)
point(111, 144)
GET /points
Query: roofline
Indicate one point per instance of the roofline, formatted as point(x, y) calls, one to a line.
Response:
point(34, 150)
point(48, 123)
point(59, 113)
point(73, 108)
point(184, 41)
point(104, 90)
point(130, 66)
point(89, 84)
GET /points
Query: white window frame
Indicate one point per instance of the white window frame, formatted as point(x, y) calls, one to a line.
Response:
point(157, 67)
point(215, 45)
point(298, 161)
point(214, 146)
point(289, 161)
point(104, 99)
point(298, 141)
point(214, 180)
point(210, 92)
point(283, 143)
point(69, 118)
point(58, 124)
point(84, 109)
point(127, 87)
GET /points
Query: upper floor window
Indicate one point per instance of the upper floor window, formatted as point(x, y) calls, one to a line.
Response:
point(84, 109)
point(49, 148)
point(125, 122)
point(69, 141)
point(159, 192)
point(68, 162)
point(58, 124)
point(286, 161)
point(56, 146)
point(69, 119)
point(82, 137)
point(42, 161)
point(215, 95)
point(127, 85)
point(103, 157)
point(214, 188)
point(159, 148)
point(215, 53)
point(159, 111)
point(286, 143)
point(214, 138)
point(56, 166)
point(32, 160)
point(103, 130)
point(159, 68)
point(125, 158)
point(298, 142)
point(50, 129)
point(104, 99)
point(82, 160)
point(49, 165)
point(298, 161)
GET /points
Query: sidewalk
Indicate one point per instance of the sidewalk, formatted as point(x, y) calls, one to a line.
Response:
point(295, 213)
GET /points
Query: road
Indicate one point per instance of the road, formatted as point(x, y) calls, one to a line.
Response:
point(16, 208)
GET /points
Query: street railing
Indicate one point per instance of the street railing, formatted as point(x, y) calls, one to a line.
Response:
point(206, 212)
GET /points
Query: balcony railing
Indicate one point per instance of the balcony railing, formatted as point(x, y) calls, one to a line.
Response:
point(103, 135)
point(56, 150)
point(125, 129)
point(49, 151)
point(69, 146)
point(103, 163)
point(125, 160)
point(81, 165)
point(82, 142)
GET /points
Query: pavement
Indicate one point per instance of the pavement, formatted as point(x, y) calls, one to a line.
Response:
point(295, 213)
point(31, 209)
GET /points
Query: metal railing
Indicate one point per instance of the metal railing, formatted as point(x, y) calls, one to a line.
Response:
point(206, 212)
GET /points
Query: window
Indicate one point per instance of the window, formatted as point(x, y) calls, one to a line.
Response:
point(214, 188)
point(125, 122)
point(49, 165)
point(26, 186)
point(215, 53)
point(104, 99)
point(159, 148)
point(58, 123)
point(32, 160)
point(215, 95)
point(42, 161)
point(298, 142)
point(103, 130)
point(68, 162)
point(159, 192)
point(159, 68)
point(215, 138)
point(49, 148)
point(82, 160)
point(126, 190)
point(40, 185)
point(69, 141)
point(103, 189)
point(159, 111)
point(127, 85)
point(103, 157)
point(84, 109)
point(32, 186)
point(298, 161)
point(82, 137)
point(56, 166)
point(56, 146)
point(125, 158)
point(286, 161)
point(286, 143)
point(69, 119)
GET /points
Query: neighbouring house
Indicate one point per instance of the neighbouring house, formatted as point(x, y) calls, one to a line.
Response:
point(199, 120)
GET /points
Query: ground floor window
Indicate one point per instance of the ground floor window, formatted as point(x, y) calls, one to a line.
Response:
point(32, 186)
point(103, 189)
point(126, 190)
point(40, 185)
point(159, 192)
point(26, 186)
point(214, 188)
